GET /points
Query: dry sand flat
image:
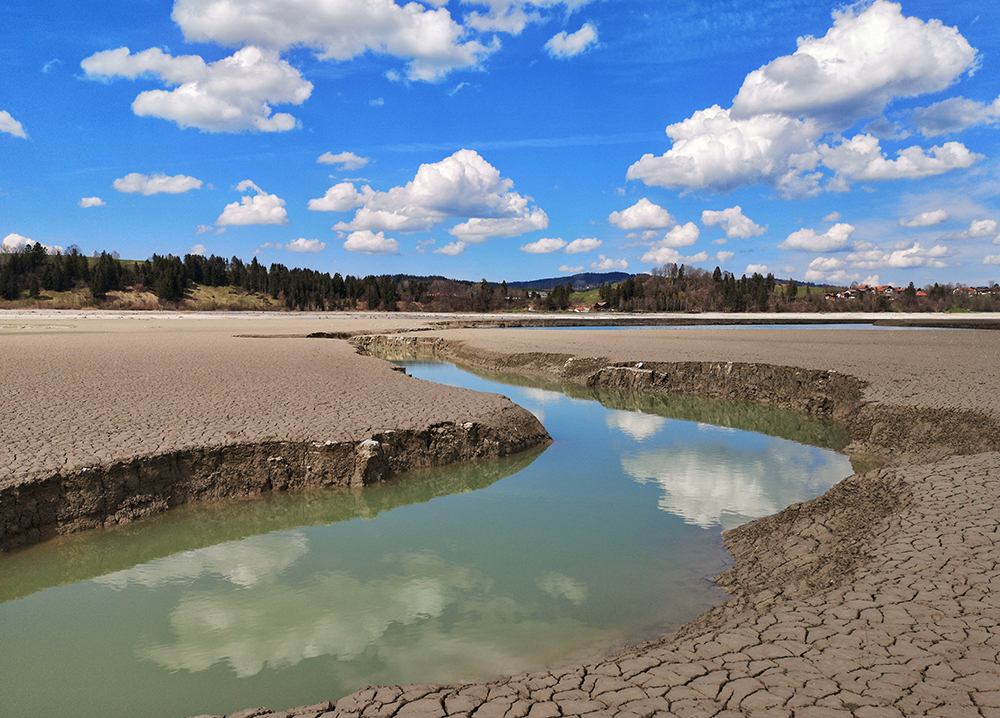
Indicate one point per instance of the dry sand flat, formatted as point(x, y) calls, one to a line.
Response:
point(105, 415)
point(877, 599)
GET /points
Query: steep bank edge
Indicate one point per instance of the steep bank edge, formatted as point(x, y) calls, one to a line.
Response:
point(36, 508)
point(891, 434)
point(773, 563)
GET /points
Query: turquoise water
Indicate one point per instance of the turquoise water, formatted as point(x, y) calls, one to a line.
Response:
point(606, 537)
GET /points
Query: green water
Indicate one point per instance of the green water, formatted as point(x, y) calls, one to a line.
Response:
point(606, 537)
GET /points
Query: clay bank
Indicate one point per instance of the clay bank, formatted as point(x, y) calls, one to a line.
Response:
point(877, 599)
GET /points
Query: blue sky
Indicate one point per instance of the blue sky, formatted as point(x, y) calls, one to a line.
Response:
point(510, 140)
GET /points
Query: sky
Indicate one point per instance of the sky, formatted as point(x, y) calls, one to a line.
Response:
point(510, 140)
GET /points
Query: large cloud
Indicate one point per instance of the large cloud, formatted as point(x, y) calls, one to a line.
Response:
point(736, 224)
point(864, 61)
point(642, 215)
point(261, 208)
point(232, 95)
point(432, 42)
point(463, 185)
point(157, 184)
point(808, 240)
point(11, 126)
point(871, 56)
point(861, 159)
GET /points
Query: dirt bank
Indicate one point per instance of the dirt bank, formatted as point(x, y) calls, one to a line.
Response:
point(114, 418)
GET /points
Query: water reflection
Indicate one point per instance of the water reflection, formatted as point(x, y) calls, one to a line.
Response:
point(755, 418)
point(242, 563)
point(609, 536)
point(729, 487)
point(638, 426)
point(68, 559)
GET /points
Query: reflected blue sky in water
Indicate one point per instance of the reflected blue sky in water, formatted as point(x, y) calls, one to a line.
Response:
point(608, 537)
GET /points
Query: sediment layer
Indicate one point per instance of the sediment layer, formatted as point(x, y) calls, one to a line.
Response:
point(101, 496)
point(111, 420)
point(891, 433)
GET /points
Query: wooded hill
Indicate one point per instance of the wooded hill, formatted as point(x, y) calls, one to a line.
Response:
point(71, 280)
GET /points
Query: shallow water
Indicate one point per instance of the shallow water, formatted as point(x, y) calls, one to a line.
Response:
point(606, 537)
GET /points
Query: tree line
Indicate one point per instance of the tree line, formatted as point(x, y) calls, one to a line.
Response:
point(670, 288)
point(171, 278)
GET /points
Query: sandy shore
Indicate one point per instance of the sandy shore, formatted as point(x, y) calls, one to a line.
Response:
point(878, 599)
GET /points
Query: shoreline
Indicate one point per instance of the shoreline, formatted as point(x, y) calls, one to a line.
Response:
point(878, 598)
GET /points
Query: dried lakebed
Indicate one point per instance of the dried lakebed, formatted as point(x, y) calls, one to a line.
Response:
point(606, 538)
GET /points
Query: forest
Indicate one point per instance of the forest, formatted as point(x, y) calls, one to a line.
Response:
point(33, 277)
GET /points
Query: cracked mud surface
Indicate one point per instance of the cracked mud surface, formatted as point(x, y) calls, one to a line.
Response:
point(881, 598)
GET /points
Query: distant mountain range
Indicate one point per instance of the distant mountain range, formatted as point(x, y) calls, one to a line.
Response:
point(581, 282)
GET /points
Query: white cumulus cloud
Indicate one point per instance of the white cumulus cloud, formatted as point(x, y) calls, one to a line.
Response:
point(232, 95)
point(736, 224)
point(346, 160)
point(606, 264)
point(342, 197)
point(861, 159)
point(310, 246)
point(980, 228)
point(570, 270)
point(565, 45)
point(907, 256)
point(546, 245)
point(642, 215)
point(809, 240)
point(865, 60)
point(11, 126)
point(832, 217)
point(157, 184)
point(367, 242)
point(429, 39)
point(820, 268)
point(261, 208)
point(925, 219)
point(680, 236)
point(13, 243)
point(583, 244)
point(954, 115)
point(91, 202)
point(872, 55)
point(463, 185)
point(452, 249)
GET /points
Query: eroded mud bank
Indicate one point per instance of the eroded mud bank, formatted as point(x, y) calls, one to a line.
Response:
point(37, 508)
point(889, 434)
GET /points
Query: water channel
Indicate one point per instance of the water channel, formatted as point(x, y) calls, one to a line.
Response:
point(607, 537)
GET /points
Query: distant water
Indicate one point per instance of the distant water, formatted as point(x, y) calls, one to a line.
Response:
point(608, 536)
point(852, 325)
